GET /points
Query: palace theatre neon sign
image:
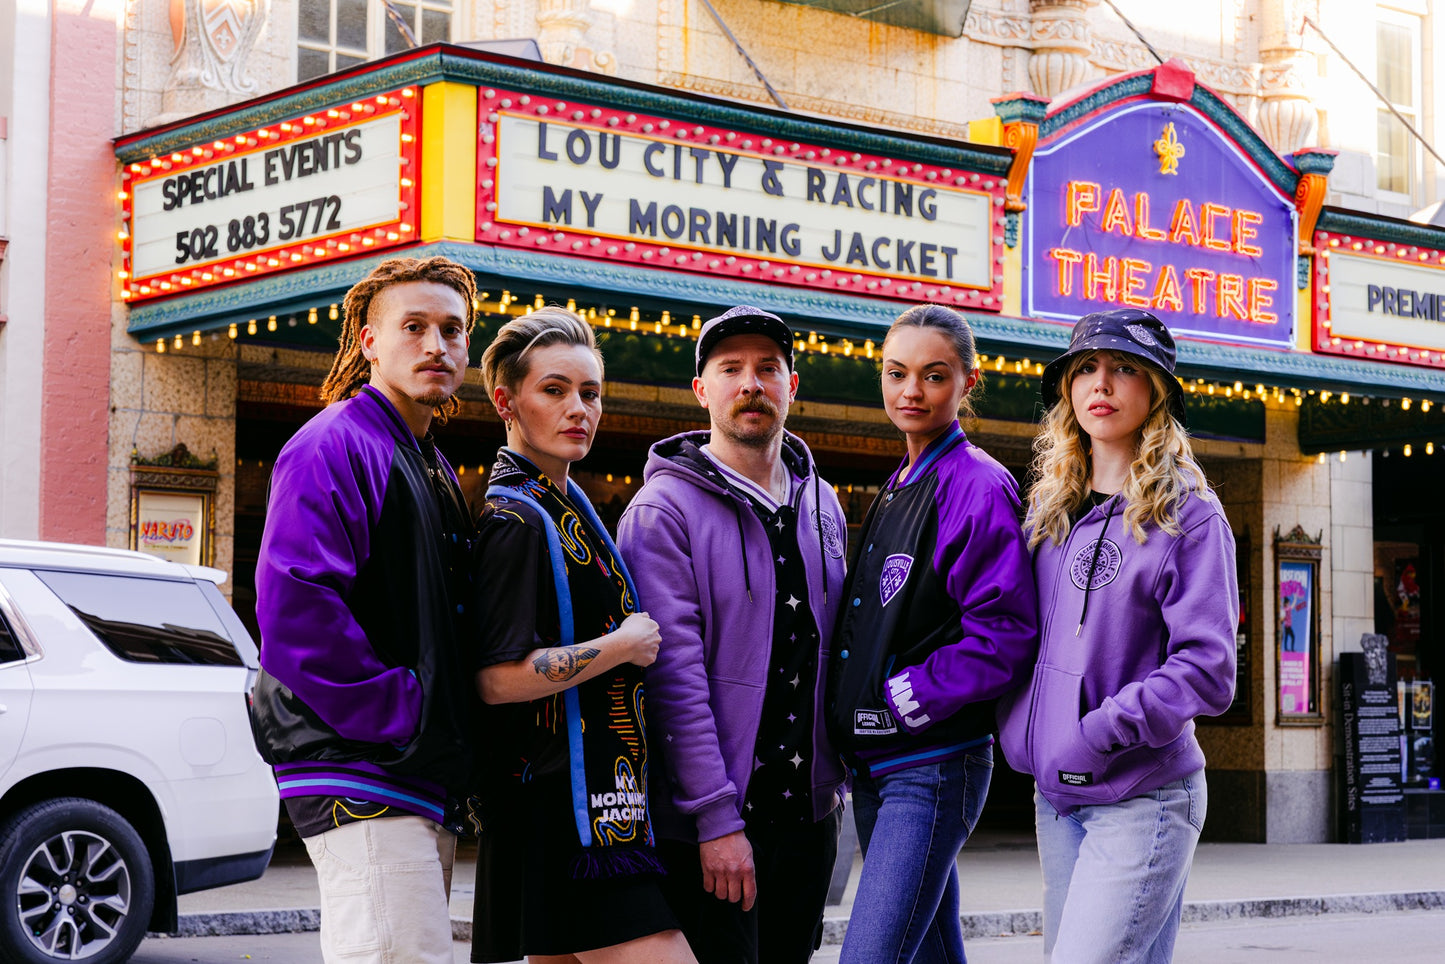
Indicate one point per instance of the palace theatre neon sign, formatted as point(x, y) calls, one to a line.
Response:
point(1150, 207)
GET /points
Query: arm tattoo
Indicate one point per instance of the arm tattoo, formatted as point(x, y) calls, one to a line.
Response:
point(560, 665)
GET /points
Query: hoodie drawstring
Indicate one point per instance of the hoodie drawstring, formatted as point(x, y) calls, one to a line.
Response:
point(822, 553)
point(1093, 565)
point(743, 541)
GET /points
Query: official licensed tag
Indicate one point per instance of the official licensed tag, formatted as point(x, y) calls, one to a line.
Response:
point(873, 723)
point(1076, 779)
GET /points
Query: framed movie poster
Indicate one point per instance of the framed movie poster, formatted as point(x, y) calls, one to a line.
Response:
point(1297, 624)
point(172, 507)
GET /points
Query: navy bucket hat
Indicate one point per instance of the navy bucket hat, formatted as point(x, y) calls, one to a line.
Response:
point(1128, 330)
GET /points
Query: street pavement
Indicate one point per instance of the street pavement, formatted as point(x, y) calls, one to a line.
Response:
point(1244, 902)
point(1396, 938)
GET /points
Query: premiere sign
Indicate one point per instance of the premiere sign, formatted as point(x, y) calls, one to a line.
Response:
point(1380, 300)
point(583, 181)
point(316, 186)
point(1148, 206)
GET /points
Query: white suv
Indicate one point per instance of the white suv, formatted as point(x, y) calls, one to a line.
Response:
point(127, 771)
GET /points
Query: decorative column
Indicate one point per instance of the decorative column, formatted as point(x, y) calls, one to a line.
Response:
point(561, 34)
point(1287, 116)
point(1059, 32)
point(213, 40)
point(1021, 114)
point(1314, 166)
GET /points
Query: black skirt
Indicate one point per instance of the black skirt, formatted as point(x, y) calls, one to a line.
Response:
point(528, 900)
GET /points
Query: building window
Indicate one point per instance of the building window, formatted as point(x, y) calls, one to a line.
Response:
point(1397, 63)
point(332, 35)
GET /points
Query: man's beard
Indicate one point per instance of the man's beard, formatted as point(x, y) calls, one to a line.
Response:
point(433, 399)
point(437, 397)
point(756, 439)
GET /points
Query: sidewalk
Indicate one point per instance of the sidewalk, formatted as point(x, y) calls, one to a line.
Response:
point(1000, 884)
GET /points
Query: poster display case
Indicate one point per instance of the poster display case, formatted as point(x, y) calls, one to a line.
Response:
point(1297, 621)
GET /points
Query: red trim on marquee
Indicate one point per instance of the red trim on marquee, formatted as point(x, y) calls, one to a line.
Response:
point(282, 257)
point(1324, 340)
point(491, 103)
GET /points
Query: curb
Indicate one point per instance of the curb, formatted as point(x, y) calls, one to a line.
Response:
point(1003, 923)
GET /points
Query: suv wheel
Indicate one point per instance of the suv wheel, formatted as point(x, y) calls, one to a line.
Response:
point(75, 884)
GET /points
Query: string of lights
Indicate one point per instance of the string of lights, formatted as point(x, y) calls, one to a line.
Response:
point(666, 324)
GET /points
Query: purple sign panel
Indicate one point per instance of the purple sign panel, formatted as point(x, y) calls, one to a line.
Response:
point(1150, 206)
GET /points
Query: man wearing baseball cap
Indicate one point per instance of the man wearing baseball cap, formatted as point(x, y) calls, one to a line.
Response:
point(737, 547)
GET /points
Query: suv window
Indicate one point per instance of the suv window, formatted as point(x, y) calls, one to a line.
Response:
point(9, 646)
point(146, 620)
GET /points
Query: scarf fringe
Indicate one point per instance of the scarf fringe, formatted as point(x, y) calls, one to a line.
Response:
point(600, 863)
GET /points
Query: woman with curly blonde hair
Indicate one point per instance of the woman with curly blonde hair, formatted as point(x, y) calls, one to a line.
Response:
point(1134, 562)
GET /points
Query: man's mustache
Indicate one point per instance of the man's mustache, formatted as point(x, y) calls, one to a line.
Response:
point(755, 403)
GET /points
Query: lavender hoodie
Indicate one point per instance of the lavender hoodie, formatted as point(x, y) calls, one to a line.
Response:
point(1125, 666)
point(703, 567)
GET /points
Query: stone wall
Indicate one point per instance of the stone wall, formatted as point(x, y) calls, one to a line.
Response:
point(159, 400)
point(1298, 490)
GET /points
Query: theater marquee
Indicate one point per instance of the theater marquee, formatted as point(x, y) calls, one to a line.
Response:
point(316, 186)
point(587, 181)
point(1150, 206)
point(1379, 299)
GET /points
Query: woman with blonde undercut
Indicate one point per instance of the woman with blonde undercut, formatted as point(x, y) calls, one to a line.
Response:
point(566, 868)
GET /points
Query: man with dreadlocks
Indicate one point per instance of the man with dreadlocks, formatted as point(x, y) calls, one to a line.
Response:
point(361, 706)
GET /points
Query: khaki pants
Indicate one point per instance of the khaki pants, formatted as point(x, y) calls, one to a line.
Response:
point(385, 887)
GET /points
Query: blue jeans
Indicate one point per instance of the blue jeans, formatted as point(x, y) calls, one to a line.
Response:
point(911, 826)
point(1114, 874)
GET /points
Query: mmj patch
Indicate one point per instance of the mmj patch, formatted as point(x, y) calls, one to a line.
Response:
point(895, 574)
point(873, 723)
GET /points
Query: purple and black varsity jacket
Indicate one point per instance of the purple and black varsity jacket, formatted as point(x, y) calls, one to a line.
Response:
point(361, 693)
point(939, 613)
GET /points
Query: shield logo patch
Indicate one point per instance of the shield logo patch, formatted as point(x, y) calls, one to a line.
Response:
point(895, 574)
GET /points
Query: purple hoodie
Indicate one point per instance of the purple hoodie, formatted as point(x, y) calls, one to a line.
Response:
point(1125, 666)
point(703, 567)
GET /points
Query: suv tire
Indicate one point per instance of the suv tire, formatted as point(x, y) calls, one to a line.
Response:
point(98, 872)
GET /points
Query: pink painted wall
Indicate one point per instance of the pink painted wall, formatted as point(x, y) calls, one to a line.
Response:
point(75, 398)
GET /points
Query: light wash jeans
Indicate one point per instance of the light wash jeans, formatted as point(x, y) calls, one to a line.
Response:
point(385, 887)
point(1114, 874)
point(911, 826)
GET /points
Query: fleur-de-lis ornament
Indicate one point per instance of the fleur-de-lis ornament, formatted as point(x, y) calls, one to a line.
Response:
point(1169, 150)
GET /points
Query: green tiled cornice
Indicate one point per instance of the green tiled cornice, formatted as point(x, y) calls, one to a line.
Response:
point(442, 62)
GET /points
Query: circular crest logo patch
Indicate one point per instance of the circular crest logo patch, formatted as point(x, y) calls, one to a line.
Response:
point(1104, 570)
point(832, 542)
